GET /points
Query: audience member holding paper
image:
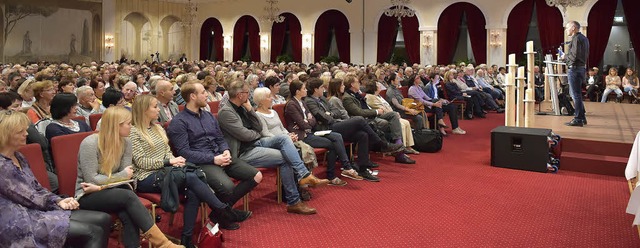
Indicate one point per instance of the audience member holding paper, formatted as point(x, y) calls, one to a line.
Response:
point(105, 158)
point(301, 122)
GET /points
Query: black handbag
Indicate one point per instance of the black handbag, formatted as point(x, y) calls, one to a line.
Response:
point(427, 140)
point(172, 180)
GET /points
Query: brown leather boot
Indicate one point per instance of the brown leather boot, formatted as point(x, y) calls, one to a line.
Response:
point(313, 181)
point(158, 240)
point(301, 208)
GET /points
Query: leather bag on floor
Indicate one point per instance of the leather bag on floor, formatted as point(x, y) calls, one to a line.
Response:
point(427, 140)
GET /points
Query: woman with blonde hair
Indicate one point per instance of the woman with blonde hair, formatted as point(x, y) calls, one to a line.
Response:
point(44, 91)
point(210, 84)
point(26, 93)
point(105, 158)
point(151, 153)
point(31, 215)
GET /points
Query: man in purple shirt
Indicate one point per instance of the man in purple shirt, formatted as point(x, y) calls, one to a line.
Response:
point(196, 136)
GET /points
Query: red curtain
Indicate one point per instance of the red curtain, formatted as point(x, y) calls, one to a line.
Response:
point(477, 32)
point(244, 24)
point(448, 32)
point(211, 24)
point(551, 27)
point(518, 27)
point(295, 34)
point(254, 39)
point(387, 32)
point(339, 22)
point(600, 22)
point(631, 8)
point(412, 38)
point(239, 31)
point(278, 32)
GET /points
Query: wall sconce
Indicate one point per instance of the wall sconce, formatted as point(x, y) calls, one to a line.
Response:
point(306, 41)
point(108, 42)
point(264, 42)
point(617, 48)
point(227, 42)
point(494, 39)
point(427, 40)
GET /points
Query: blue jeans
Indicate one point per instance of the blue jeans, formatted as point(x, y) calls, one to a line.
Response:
point(279, 151)
point(576, 76)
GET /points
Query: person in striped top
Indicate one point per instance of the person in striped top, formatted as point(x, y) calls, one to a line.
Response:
point(151, 153)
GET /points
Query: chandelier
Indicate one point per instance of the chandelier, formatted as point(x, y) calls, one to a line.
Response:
point(190, 13)
point(399, 9)
point(565, 3)
point(272, 13)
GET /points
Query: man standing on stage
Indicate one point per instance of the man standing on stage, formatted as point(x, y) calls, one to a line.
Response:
point(576, 59)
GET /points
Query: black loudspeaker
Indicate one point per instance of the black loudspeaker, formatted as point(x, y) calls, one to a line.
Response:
point(520, 148)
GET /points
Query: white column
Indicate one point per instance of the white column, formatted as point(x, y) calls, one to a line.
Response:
point(307, 48)
point(265, 48)
point(428, 47)
point(227, 41)
point(109, 30)
point(496, 46)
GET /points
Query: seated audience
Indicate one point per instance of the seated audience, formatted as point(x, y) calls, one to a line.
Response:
point(375, 101)
point(88, 104)
point(105, 158)
point(26, 93)
point(66, 85)
point(436, 105)
point(472, 102)
point(151, 153)
point(629, 83)
point(273, 83)
point(168, 108)
point(63, 108)
point(44, 92)
point(31, 215)
point(129, 90)
point(594, 84)
point(394, 97)
point(353, 129)
point(242, 127)
point(196, 136)
point(301, 122)
point(355, 104)
point(613, 83)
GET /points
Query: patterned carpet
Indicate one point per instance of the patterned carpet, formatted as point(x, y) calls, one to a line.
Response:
point(449, 199)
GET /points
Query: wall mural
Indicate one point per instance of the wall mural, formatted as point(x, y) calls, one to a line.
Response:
point(36, 32)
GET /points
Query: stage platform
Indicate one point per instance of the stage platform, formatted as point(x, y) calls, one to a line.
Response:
point(602, 146)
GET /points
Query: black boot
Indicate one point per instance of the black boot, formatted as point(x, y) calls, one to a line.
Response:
point(241, 215)
point(225, 217)
point(186, 242)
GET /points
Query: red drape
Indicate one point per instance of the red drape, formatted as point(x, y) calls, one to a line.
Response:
point(631, 8)
point(211, 24)
point(254, 39)
point(387, 32)
point(477, 33)
point(278, 32)
point(244, 24)
point(238, 37)
point(412, 38)
point(295, 34)
point(551, 27)
point(518, 27)
point(448, 32)
point(600, 22)
point(328, 20)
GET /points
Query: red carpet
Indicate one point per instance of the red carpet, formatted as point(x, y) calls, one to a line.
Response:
point(449, 199)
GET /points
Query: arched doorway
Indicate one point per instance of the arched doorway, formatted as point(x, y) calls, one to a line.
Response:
point(332, 24)
point(96, 52)
point(172, 45)
point(211, 40)
point(469, 18)
point(286, 38)
point(246, 39)
point(398, 40)
point(614, 25)
point(545, 28)
point(131, 38)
